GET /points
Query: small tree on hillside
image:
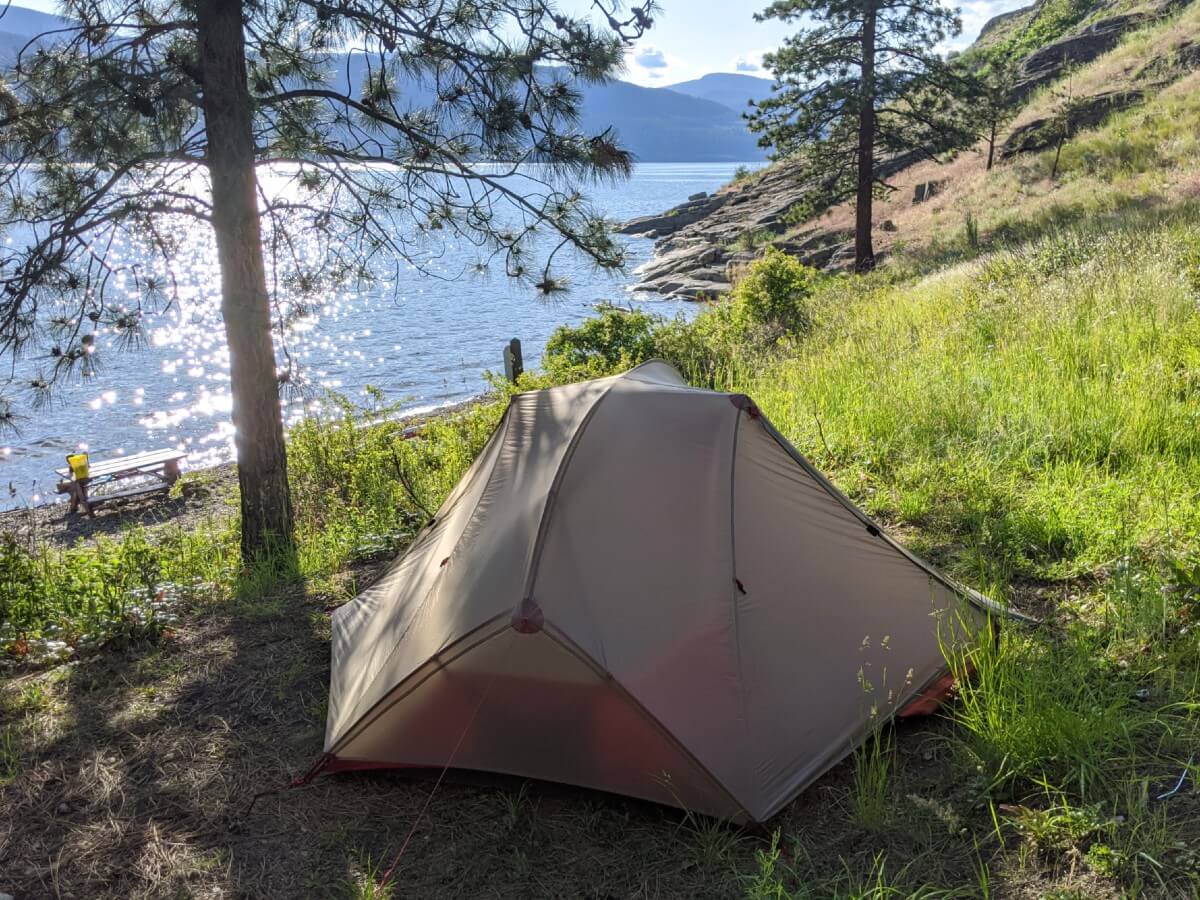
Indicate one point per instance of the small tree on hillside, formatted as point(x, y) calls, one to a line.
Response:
point(1063, 117)
point(395, 125)
point(859, 81)
point(989, 102)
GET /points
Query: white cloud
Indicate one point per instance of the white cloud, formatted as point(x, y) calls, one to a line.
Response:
point(650, 58)
point(749, 62)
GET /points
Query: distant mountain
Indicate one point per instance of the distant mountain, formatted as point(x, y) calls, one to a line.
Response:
point(656, 124)
point(727, 88)
point(665, 126)
point(18, 25)
point(28, 22)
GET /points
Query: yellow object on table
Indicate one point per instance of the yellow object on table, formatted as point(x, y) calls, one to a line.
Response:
point(79, 465)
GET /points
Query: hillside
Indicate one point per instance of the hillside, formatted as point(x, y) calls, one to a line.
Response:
point(1123, 62)
point(655, 124)
point(729, 89)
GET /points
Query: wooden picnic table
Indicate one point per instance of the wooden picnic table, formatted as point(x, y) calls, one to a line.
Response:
point(161, 466)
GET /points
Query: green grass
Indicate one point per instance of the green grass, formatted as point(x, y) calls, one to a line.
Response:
point(1036, 412)
point(869, 799)
point(876, 880)
point(751, 239)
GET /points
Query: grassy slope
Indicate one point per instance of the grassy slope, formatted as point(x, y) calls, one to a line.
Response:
point(1022, 407)
point(1147, 156)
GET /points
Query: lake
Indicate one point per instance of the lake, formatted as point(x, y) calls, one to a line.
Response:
point(425, 342)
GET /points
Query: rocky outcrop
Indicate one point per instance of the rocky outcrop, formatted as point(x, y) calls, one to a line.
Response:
point(1088, 112)
point(695, 254)
point(698, 241)
point(1050, 62)
point(1085, 44)
point(694, 271)
point(691, 210)
point(1183, 60)
point(996, 21)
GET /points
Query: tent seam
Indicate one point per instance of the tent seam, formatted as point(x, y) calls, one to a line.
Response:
point(735, 590)
point(564, 641)
point(979, 600)
point(438, 578)
point(539, 540)
point(376, 711)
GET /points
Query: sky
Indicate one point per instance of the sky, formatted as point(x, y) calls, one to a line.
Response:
point(691, 38)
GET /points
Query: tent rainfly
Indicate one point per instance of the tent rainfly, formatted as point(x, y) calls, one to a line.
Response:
point(640, 587)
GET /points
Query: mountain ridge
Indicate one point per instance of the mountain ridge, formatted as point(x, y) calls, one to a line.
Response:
point(731, 89)
point(655, 124)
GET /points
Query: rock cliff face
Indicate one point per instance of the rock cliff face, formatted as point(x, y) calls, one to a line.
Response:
point(695, 250)
point(701, 242)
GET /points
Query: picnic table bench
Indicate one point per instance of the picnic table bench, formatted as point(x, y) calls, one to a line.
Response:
point(161, 467)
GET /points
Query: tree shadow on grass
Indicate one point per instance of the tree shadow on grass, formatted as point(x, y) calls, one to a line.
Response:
point(138, 783)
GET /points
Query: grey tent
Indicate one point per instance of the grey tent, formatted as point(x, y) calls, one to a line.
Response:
point(640, 587)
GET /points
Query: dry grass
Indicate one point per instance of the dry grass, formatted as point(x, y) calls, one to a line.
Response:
point(1021, 186)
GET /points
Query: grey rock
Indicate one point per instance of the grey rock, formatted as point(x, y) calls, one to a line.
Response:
point(1163, 69)
point(701, 290)
point(1050, 62)
point(690, 255)
point(699, 196)
point(683, 258)
point(1088, 113)
point(927, 191)
point(674, 219)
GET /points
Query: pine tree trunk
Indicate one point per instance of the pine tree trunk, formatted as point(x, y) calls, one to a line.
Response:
point(864, 252)
point(245, 303)
point(1062, 139)
point(991, 146)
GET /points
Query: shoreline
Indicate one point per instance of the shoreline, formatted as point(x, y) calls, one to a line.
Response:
point(205, 495)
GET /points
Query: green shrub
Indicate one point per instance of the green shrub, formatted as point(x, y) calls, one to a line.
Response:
point(742, 173)
point(752, 239)
point(770, 302)
point(773, 295)
point(612, 341)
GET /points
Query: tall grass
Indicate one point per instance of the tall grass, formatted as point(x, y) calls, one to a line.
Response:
point(872, 778)
point(1036, 411)
point(776, 880)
